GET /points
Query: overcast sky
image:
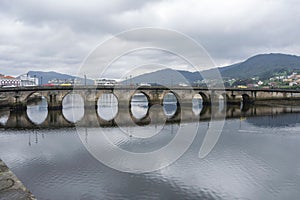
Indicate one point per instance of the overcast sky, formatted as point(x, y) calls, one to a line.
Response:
point(57, 35)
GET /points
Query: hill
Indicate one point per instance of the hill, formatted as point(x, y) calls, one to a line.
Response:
point(262, 66)
point(167, 77)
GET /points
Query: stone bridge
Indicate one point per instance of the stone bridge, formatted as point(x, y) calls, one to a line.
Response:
point(17, 98)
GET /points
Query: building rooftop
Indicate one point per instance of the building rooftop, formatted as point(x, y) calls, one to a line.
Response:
point(8, 77)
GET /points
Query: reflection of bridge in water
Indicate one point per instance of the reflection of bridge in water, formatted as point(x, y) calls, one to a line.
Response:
point(154, 115)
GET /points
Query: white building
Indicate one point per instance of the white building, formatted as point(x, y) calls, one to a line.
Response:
point(27, 80)
point(105, 82)
point(260, 83)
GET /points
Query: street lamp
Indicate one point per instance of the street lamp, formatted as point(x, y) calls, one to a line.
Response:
point(130, 79)
point(35, 81)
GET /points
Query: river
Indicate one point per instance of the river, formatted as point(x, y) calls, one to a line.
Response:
point(255, 157)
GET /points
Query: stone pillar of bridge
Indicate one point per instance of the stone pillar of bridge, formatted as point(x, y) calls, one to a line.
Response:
point(55, 100)
point(156, 115)
point(18, 120)
point(55, 118)
point(205, 114)
point(184, 97)
point(90, 99)
point(123, 96)
point(233, 98)
point(187, 114)
point(16, 101)
point(92, 119)
point(215, 98)
point(124, 115)
point(156, 97)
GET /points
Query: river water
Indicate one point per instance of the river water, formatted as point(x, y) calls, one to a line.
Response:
point(256, 157)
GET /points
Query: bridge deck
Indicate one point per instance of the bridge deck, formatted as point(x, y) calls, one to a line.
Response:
point(94, 87)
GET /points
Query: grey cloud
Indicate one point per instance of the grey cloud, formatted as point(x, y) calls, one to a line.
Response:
point(58, 35)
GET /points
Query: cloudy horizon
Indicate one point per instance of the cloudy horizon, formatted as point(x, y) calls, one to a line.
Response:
point(58, 36)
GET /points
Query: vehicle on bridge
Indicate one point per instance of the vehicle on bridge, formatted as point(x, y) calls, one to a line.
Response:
point(144, 84)
point(65, 84)
point(48, 84)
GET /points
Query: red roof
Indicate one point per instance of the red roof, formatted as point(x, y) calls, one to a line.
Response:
point(9, 77)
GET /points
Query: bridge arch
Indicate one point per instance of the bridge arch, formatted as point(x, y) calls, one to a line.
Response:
point(27, 98)
point(171, 109)
point(72, 113)
point(176, 95)
point(139, 109)
point(223, 99)
point(137, 92)
point(144, 120)
point(107, 106)
point(205, 98)
point(78, 94)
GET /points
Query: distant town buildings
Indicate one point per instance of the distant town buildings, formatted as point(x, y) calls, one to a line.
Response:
point(282, 79)
point(63, 82)
point(27, 80)
point(9, 81)
point(105, 82)
point(20, 81)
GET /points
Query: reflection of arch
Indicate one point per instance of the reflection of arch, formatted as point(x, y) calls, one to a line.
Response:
point(73, 120)
point(135, 119)
point(177, 99)
point(73, 114)
point(177, 112)
point(246, 99)
point(4, 116)
point(143, 121)
point(37, 114)
point(206, 110)
point(223, 98)
point(31, 122)
point(245, 107)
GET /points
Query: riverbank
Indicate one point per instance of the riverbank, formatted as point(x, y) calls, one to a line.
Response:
point(11, 187)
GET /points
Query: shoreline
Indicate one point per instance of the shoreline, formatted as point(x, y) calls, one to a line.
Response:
point(11, 187)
